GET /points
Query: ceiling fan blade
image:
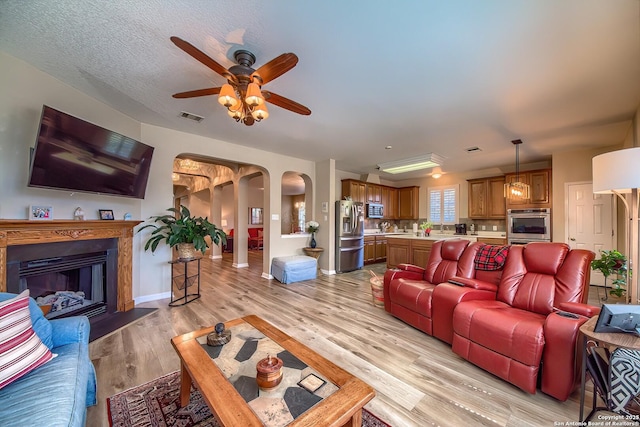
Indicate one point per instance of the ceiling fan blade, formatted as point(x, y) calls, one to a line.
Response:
point(203, 58)
point(276, 67)
point(199, 92)
point(285, 103)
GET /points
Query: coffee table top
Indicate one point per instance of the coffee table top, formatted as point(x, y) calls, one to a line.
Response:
point(230, 408)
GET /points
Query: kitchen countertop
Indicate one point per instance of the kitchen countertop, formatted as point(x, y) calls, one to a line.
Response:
point(439, 236)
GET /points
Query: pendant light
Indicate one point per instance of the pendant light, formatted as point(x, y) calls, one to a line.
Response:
point(516, 190)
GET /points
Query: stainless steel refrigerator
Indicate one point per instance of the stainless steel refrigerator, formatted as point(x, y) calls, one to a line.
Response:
point(349, 235)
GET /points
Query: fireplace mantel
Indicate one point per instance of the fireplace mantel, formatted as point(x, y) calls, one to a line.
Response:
point(25, 232)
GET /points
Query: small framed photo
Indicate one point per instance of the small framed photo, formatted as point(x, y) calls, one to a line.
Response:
point(311, 383)
point(40, 212)
point(106, 214)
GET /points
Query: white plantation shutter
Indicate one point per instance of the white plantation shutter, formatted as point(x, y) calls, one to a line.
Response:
point(443, 204)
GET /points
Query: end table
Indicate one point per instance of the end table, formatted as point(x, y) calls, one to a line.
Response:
point(182, 279)
point(314, 252)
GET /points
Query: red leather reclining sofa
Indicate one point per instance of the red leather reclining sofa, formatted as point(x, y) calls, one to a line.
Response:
point(514, 311)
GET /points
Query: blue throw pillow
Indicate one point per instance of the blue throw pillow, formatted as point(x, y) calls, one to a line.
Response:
point(40, 324)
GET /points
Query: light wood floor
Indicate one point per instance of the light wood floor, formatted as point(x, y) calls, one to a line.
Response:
point(419, 381)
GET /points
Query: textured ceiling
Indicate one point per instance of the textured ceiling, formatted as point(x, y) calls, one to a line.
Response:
point(421, 76)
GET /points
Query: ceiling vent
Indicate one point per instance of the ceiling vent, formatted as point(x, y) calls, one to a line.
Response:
point(472, 149)
point(191, 116)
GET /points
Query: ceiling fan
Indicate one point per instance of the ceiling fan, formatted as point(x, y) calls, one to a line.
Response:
point(242, 94)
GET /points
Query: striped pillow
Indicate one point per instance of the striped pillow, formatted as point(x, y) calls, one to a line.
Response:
point(21, 351)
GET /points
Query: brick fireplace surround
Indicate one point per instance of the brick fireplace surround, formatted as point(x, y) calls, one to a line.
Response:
point(24, 232)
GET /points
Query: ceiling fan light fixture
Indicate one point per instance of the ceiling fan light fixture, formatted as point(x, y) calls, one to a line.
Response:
point(427, 161)
point(260, 112)
point(517, 190)
point(227, 96)
point(254, 95)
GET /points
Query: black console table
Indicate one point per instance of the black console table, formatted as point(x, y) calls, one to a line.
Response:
point(185, 273)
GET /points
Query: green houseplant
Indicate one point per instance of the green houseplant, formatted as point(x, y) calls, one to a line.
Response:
point(612, 262)
point(184, 231)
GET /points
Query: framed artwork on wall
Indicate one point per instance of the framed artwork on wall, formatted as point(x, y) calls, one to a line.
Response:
point(255, 216)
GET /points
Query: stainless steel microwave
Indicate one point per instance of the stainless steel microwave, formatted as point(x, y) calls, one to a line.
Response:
point(375, 210)
point(529, 225)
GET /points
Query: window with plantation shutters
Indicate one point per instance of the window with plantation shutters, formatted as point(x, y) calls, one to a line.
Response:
point(443, 204)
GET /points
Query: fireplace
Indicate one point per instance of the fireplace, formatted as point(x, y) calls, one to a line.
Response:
point(67, 278)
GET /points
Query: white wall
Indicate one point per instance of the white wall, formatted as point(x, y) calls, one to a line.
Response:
point(24, 90)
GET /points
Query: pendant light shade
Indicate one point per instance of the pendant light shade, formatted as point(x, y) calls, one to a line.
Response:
point(227, 96)
point(516, 190)
point(260, 112)
point(254, 96)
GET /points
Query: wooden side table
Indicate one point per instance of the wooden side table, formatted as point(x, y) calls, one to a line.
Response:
point(314, 252)
point(624, 340)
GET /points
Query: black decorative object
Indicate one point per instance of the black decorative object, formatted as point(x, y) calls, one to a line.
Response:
point(313, 240)
point(219, 337)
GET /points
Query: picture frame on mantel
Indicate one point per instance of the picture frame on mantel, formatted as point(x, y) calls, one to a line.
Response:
point(106, 214)
point(37, 212)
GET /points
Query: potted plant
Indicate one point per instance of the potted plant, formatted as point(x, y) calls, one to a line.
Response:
point(186, 232)
point(612, 262)
point(426, 227)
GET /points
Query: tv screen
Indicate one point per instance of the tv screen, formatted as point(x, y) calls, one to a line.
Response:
point(75, 155)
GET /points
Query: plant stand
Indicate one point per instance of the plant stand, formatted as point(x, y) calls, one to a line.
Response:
point(182, 278)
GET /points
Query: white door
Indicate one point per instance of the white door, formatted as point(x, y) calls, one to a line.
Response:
point(590, 222)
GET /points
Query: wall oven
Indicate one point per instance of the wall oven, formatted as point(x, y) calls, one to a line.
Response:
point(528, 225)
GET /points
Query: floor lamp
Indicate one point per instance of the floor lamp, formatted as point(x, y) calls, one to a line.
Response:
point(618, 172)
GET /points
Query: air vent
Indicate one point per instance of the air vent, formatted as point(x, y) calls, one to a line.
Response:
point(473, 149)
point(191, 116)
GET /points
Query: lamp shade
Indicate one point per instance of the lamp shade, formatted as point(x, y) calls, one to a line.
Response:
point(617, 171)
point(254, 95)
point(260, 112)
point(227, 96)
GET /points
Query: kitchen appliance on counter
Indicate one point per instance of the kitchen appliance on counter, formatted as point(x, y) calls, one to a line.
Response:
point(528, 225)
point(349, 235)
point(461, 229)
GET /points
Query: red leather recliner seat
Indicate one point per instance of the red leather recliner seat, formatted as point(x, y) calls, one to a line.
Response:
point(408, 288)
point(518, 336)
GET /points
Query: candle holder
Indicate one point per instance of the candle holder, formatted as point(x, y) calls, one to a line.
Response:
point(219, 337)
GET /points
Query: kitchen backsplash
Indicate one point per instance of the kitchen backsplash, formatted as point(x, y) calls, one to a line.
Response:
point(488, 224)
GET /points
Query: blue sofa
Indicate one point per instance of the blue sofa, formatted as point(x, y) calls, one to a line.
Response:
point(57, 393)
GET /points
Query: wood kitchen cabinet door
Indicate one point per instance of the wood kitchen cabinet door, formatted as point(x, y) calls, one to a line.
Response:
point(420, 252)
point(354, 189)
point(478, 197)
point(408, 202)
point(496, 206)
point(391, 203)
point(369, 249)
point(374, 193)
point(539, 192)
point(486, 198)
point(397, 252)
point(381, 249)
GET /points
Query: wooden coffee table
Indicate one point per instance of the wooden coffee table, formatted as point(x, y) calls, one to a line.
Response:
point(341, 408)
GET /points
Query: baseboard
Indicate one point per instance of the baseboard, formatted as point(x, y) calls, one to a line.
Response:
point(240, 265)
point(153, 297)
point(267, 276)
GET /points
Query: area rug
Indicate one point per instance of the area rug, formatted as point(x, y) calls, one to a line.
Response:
point(156, 404)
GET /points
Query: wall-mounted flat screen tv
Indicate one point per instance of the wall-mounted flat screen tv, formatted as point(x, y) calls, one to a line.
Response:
point(75, 155)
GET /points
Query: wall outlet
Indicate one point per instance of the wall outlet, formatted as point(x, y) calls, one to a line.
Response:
point(484, 227)
point(495, 228)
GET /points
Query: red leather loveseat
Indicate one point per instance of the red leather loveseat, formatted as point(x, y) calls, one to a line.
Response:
point(501, 315)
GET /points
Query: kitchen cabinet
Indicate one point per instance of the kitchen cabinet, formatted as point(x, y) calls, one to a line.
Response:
point(354, 189)
point(398, 252)
point(408, 251)
point(381, 249)
point(374, 193)
point(408, 202)
point(375, 249)
point(390, 202)
point(420, 252)
point(369, 249)
point(486, 198)
point(493, 240)
point(539, 192)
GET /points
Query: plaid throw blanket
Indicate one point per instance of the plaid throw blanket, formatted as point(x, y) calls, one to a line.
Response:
point(491, 257)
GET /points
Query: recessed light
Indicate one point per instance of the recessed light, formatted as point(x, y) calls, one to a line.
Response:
point(472, 149)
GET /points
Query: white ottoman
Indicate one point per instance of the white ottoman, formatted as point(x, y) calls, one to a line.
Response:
point(294, 268)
